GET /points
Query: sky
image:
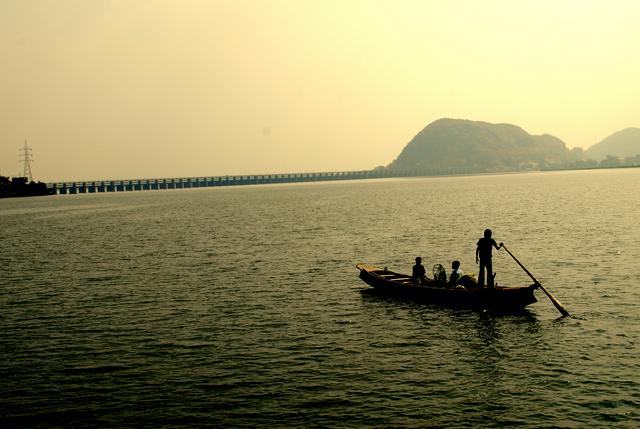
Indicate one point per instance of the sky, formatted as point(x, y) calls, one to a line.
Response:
point(118, 89)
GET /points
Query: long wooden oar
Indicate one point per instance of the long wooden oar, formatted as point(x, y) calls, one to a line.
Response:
point(555, 302)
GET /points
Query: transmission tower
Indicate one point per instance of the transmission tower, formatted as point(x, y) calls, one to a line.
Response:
point(27, 157)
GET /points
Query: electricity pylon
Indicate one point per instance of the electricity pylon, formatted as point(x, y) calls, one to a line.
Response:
point(27, 157)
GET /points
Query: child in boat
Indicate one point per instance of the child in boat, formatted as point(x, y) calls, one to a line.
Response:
point(483, 256)
point(456, 273)
point(418, 273)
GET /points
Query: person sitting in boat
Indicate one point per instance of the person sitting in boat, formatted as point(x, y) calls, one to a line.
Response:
point(456, 273)
point(418, 273)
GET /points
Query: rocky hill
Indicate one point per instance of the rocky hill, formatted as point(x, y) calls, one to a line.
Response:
point(459, 143)
point(625, 143)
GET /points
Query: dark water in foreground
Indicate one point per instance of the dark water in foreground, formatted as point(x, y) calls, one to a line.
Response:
point(241, 307)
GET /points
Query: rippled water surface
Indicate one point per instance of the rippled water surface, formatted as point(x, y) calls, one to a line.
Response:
point(241, 307)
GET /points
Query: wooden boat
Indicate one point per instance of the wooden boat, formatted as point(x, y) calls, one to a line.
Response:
point(437, 292)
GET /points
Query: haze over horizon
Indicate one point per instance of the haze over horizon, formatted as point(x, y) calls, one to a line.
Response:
point(123, 89)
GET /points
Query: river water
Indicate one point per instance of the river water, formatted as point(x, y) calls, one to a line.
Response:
point(241, 307)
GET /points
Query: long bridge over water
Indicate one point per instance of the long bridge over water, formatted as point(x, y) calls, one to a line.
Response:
point(130, 185)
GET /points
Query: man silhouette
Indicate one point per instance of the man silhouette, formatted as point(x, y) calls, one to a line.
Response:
point(483, 256)
point(418, 273)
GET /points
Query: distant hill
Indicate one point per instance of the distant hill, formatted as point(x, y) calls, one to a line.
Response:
point(625, 143)
point(453, 143)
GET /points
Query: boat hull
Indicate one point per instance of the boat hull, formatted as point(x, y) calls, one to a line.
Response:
point(398, 285)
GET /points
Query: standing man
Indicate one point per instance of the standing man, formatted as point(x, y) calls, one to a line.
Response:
point(483, 255)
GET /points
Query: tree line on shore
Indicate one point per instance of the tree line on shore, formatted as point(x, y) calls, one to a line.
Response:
point(21, 187)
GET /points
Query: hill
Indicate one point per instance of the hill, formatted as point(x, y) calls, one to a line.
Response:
point(482, 146)
point(625, 143)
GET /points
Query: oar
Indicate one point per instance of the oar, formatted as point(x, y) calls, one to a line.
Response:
point(555, 302)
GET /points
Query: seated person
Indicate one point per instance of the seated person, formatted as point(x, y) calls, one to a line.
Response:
point(456, 273)
point(418, 273)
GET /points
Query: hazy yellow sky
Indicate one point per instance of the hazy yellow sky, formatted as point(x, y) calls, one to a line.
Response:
point(132, 88)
